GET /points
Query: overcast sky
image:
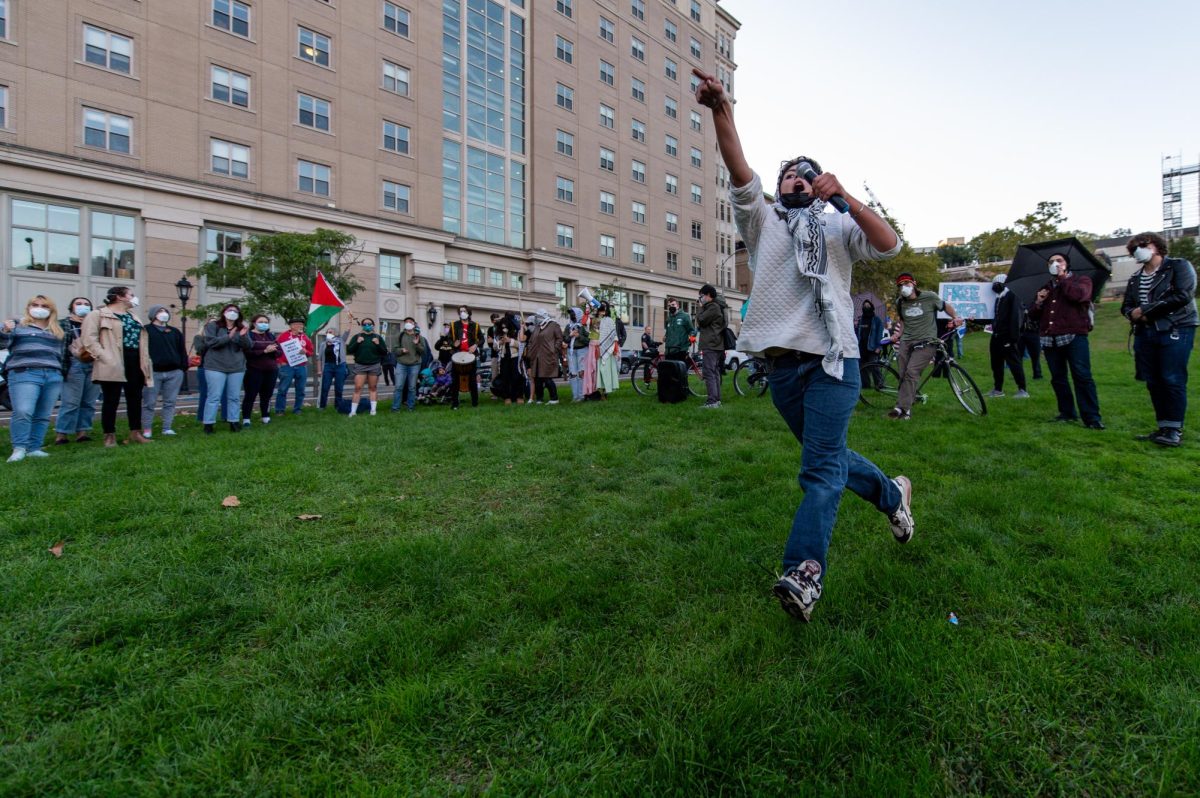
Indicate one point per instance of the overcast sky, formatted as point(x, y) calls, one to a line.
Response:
point(962, 115)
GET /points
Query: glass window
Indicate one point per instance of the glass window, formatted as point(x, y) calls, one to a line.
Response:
point(638, 251)
point(314, 178)
point(638, 9)
point(670, 30)
point(672, 146)
point(637, 90)
point(565, 189)
point(516, 281)
point(395, 78)
point(565, 97)
point(608, 246)
point(391, 272)
point(564, 143)
point(451, 272)
point(608, 202)
point(639, 212)
point(670, 69)
point(222, 247)
point(564, 50)
point(314, 47)
point(112, 245)
point(607, 116)
point(106, 49)
point(608, 73)
point(672, 223)
point(637, 309)
point(475, 275)
point(697, 233)
point(672, 261)
point(232, 16)
point(565, 236)
point(229, 158)
point(695, 84)
point(313, 112)
point(395, 19)
point(637, 130)
point(695, 11)
point(395, 196)
point(395, 137)
point(3, 107)
point(496, 278)
point(230, 87)
point(45, 237)
point(697, 195)
point(608, 30)
point(696, 157)
point(670, 107)
point(695, 47)
point(111, 132)
point(697, 267)
point(637, 48)
point(639, 171)
point(694, 117)
point(608, 160)
point(564, 7)
point(672, 184)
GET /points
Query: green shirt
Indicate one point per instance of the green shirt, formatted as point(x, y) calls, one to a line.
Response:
point(679, 328)
point(919, 315)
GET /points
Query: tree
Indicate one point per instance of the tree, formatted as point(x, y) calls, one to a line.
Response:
point(995, 245)
point(955, 255)
point(879, 277)
point(1185, 248)
point(1044, 223)
point(278, 273)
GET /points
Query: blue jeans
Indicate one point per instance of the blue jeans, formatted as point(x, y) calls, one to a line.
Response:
point(79, 395)
point(334, 375)
point(817, 408)
point(33, 393)
point(575, 362)
point(202, 395)
point(1075, 357)
point(223, 386)
point(406, 380)
point(289, 375)
point(1162, 360)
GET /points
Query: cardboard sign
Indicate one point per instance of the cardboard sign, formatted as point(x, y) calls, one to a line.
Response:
point(975, 301)
point(293, 350)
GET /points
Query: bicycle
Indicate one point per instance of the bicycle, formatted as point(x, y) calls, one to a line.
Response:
point(881, 382)
point(750, 378)
point(645, 373)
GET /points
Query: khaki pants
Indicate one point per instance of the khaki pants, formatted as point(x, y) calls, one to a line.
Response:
point(913, 357)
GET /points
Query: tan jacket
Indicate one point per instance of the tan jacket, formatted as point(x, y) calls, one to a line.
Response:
point(102, 336)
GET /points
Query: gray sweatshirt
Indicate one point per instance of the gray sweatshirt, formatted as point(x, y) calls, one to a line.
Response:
point(223, 352)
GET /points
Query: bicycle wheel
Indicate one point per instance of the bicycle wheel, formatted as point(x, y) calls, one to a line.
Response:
point(968, 393)
point(880, 384)
point(696, 385)
point(644, 377)
point(749, 379)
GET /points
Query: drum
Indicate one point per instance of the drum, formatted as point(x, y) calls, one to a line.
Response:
point(463, 363)
point(463, 359)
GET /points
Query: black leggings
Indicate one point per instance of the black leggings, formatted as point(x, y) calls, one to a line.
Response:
point(547, 382)
point(111, 391)
point(260, 384)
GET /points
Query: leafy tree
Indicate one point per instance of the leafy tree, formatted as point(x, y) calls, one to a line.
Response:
point(1185, 248)
point(1120, 232)
point(1044, 223)
point(278, 273)
point(955, 255)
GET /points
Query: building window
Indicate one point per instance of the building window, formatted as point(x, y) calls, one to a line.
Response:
point(395, 19)
point(639, 212)
point(395, 78)
point(232, 88)
point(564, 142)
point(395, 196)
point(608, 246)
point(696, 157)
point(638, 251)
point(672, 223)
point(565, 189)
point(695, 84)
point(45, 237)
point(672, 184)
point(232, 16)
point(637, 90)
point(608, 160)
point(637, 130)
point(608, 202)
point(564, 50)
point(638, 9)
point(608, 30)
point(637, 48)
point(107, 50)
point(697, 267)
point(694, 116)
point(695, 47)
point(227, 158)
point(565, 236)
point(672, 146)
point(670, 69)
point(314, 179)
point(695, 12)
point(112, 245)
point(221, 248)
point(697, 235)
point(564, 7)
point(3, 105)
point(565, 97)
point(516, 282)
point(608, 117)
point(314, 47)
point(475, 275)
point(638, 173)
point(391, 272)
point(697, 196)
point(313, 112)
point(452, 273)
point(395, 137)
point(608, 73)
point(672, 261)
point(637, 309)
point(670, 30)
point(111, 132)
point(670, 107)
point(495, 278)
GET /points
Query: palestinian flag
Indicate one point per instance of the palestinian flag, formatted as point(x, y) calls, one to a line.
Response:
point(324, 306)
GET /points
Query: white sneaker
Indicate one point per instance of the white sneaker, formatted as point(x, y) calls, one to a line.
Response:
point(710, 405)
point(799, 589)
point(245, 422)
point(147, 433)
point(17, 456)
point(266, 419)
point(995, 394)
point(552, 402)
point(168, 432)
point(36, 453)
point(902, 520)
point(1021, 395)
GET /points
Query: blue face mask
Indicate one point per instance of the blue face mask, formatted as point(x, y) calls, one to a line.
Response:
point(263, 326)
point(368, 327)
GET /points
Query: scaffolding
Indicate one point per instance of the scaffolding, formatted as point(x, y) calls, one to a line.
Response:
point(1181, 195)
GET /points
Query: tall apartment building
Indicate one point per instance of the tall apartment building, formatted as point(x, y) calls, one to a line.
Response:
point(485, 152)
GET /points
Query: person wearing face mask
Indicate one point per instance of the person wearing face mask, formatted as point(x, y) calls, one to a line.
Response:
point(467, 337)
point(168, 358)
point(711, 321)
point(679, 331)
point(543, 355)
point(78, 406)
point(801, 322)
point(37, 359)
point(869, 332)
point(576, 337)
point(914, 334)
point(262, 369)
point(290, 375)
point(120, 345)
point(1063, 312)
point(444, 346)
point(333, 366)
point(1005, 348)
point(410, 351)
point(509, 383)
point(226, 342)
point(1160, 303)
point(367, 348)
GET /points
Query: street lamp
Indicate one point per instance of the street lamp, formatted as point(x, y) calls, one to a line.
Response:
point(32, 261)
point(431, 314)
point(183, 288)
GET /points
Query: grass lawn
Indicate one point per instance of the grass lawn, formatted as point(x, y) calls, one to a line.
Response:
point(571, 600)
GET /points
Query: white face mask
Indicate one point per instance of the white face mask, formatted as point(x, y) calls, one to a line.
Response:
point(82, 310)
point(231, 315)
point(328, 336)
point(1054, 268)
point(39, 313)
point(1143, 254)
point(163, 317)
point(906, 290)
point(408, 326)
point(134, 302)
point(464, 316)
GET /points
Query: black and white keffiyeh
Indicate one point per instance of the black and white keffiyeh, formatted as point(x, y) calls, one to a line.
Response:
point(808, 239)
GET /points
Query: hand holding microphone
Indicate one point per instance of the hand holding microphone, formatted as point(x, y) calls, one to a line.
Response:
point(826, 186)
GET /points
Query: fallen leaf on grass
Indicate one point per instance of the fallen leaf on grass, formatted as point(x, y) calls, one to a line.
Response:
point(57, 548)
point(308, 517)
point(318, 448)
point(231, 501)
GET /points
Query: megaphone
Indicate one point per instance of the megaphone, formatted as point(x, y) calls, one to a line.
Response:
point(587, 297)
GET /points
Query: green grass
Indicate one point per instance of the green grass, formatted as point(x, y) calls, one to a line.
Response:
point(572, 601)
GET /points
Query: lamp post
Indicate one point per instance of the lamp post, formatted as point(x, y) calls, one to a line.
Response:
point(32, 261)
point(183, 288)
point(431, 313)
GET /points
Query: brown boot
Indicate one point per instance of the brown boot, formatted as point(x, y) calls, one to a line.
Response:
point(59, 440)
point(136, 436)
point(110, 440)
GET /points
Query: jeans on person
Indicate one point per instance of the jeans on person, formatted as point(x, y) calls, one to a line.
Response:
point(32, 393)
point(79, 395)
point(1031, 345)
point(332, 374)
point(406, 381)
point(1162, 360)
point(575, 363)
point(817, 408)
point(223, 386)
point(258, 384)
point(711, 365)
point(1076, 358)
point(289, 376)
point(166, 384)
point(1004, 352)
point(912, 357)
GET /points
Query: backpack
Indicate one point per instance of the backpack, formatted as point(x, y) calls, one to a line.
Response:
point(620, 331)
point(728, 339)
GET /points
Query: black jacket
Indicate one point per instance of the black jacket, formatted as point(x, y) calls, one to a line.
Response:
point(1008, 317)
point(166, 348)
point(1172, 300)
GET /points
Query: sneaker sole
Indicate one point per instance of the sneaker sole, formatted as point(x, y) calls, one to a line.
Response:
point(905, 503)
point(790, 605)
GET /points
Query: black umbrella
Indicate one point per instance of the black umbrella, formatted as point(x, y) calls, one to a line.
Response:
point(1029, 272)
